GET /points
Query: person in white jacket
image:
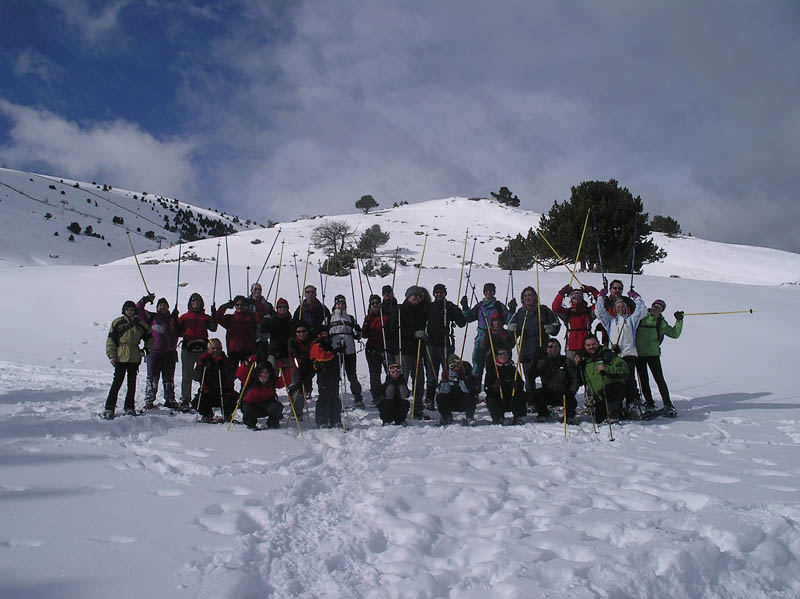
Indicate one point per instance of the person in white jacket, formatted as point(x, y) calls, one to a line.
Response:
point(622, 339)
point(344, 332)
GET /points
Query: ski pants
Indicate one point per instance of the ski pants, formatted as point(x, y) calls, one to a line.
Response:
point(614, 393)
point(376, 364)
point(188, 361)
point(654, 363)
point(456, 401)
point(478, 358)
point(530, 371)
point(329, 405)
point(272, 410)
point(352, 376)
point(394, 407)
point(412, 369)
point(544, 397)
point(160, 365)
point(509, 402)
point(631, 389)
point(438, 360)
point(210, 399)
point(121, 370)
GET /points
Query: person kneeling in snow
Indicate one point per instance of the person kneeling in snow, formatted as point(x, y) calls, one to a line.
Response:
point(560, 382)
point(505, 390)
point(456, 392)
point(259, 399)
point(604, 376)
point(394, 394)
point(214, 371)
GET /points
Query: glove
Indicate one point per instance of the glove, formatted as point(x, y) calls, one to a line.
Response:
point(565, 290)
point(512, 305)
point(633, 294)
point(605, 282)
point(615, 348)
point(512, 327)
point(465, 303)
point(679, 315)
point(113, 361)
point(420, 335)
point(174, 313)
point(496, 385)
point(213, 310)
point(251, 359)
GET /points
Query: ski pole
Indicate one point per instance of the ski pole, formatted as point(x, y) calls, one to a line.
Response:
point(200, 390)
point(280, 267)
point(321, 286)
point(135, 257)
point(353, 293)
point(561, 260)
point(241, 393)
point(750, 311)
point(302, 389)
point(586, 396)
point(565, 414)
point(216, 268)
point(366, 276)
point(580, 245)
point(463, 259)
point(539, 306)
point(361, 286)
point(305, 271)
point(221, 394)
point(422, 258)
point(633, 249)
point(291, 405)
point(608, 413)
point(268, 255)
point(178, 284)
point(511, 265)
point(416, 377)
point(494, 361)
point(383, 336)
point(519, 351)
point(272, 282)
point(228, 264)
point(394, 270)
point(597, 241)
point(247, 280)
point(297, 279)
point(469, 274)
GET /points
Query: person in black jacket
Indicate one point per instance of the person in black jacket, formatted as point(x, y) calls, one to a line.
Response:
point(394, 404)
point(273, 334)
point(412, 317)
point(443, 316)
point(389, 311)
point(457, 392)
point(311, 312)
point(560, 380)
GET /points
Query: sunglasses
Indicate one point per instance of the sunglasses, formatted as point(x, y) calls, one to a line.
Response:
point(301, 331)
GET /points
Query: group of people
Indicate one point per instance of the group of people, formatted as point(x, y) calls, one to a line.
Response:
point(410, 352)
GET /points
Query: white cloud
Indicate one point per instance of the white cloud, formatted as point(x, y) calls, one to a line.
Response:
point(116, 152)
point(29, 62)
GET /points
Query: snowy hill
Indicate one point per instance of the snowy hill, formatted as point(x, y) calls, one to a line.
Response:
point(702, 506)
point(36, 211)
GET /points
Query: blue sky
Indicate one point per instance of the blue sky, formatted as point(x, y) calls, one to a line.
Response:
point(275, 109)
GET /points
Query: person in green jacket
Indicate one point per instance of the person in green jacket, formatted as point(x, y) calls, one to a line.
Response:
point(604, 374)
point(122, 349)
point(649, 335)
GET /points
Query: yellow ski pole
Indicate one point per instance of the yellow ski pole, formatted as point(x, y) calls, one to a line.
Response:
point(422, 258)
point(291, 405)
point(241, 394)
point(280, 265)
point(750, 311)
point(137, 263)
point(494, 360)
point(580, 245)
point(564, 262)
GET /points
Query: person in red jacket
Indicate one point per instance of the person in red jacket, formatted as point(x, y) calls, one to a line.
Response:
point(214, 372)
point(193, 326)
point(374, 331)
point(578, 317)
point(240, 329)
point(259, 399)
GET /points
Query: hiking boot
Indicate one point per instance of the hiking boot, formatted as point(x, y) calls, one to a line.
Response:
point(130, 412)
point(572, 421)
point(171, 404)
point(358, 403)
point(517, 420)
point(542, 418)
point(149, 405)
point(107, 415)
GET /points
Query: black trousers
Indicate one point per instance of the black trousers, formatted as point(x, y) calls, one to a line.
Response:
point(509, 402)
point(654, 363)
point(614, 394)
point(121, 370)
point(456, 401)
point(376, 364)
point(271, 409)
point(631, 388)
point(544, 397)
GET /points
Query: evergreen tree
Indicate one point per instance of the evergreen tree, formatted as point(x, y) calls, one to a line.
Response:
point(615, 209)
point(370, 241)
point(665, 224)
point(504, 196)
point(365, 203)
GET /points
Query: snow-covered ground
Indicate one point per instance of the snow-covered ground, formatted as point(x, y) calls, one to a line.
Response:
point(158, 505)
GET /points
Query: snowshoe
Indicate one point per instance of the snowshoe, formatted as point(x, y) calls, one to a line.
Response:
point(107, 415)
point(149, 405)
point(470, 422)
point(171, 404)
point(445, 420)
point(542, 418)
point(358, 404)
point(130, 412)
point(670, 412)
point(517, 420)
point(212, 420)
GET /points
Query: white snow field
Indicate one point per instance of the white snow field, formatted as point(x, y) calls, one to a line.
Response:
point(703, 506)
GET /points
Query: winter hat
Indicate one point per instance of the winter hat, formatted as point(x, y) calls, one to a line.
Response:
point(162, 300)
point(439, 287)
point(323, 328)
point(195, 296)
point(339, 298)
point(414, 290)
point(387, 289)
point(488, 287)
point(661, 303)
point(494, 317)
point(621, 300)
point(453, 360)
point(577, 294)
point(528, 289)
point(374, 298)
point(239, 298)
point(282, 302)
point(128, 304)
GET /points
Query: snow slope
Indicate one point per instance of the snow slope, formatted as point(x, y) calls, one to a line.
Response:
point(702, 506)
